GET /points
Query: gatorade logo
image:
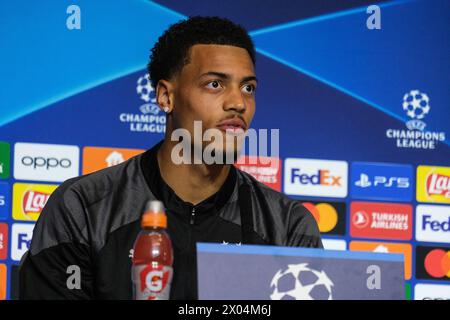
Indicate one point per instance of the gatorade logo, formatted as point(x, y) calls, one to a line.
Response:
point(153, 282)
point(330, 216)
point(433, 263)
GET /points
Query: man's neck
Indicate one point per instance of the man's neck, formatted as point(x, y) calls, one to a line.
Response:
point(191, 182)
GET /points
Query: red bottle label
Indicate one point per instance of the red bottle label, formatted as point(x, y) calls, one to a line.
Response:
point(152, 282)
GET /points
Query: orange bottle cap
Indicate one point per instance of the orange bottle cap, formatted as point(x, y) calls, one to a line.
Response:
point(154, 215)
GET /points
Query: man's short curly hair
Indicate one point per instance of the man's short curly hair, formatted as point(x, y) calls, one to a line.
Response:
point(170, 52)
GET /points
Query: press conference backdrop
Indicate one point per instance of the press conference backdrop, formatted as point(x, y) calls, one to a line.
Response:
point(359, 91)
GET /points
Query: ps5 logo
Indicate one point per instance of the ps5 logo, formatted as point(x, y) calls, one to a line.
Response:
point(382, 181)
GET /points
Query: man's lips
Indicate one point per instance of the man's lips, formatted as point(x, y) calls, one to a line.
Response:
point(234, 124)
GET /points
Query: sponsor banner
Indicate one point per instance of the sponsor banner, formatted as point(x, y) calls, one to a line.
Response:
point(97, 158)
point(3, 279)
point(433, 184)
point(5, 200)
point(5, 156)
point(3, 241)
point(330, 216)
point(387, 247)
point(433, 223)
point(45, 162)
point(30, 199)
point(423, 291)
point(266, 170)
point(21, 235)
point(433, 263)
point(381, 181)
point(317, 178)
point(381, 220)
point(334, 244)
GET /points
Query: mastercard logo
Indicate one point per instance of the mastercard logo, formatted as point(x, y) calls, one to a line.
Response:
point(325, 214)
point(437, 263)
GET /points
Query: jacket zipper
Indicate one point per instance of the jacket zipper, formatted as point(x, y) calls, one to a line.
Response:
point(192, 215)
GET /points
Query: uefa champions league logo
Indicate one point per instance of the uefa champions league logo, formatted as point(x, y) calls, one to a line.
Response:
point(300, 282)
point(147, 93)
point(417, 105)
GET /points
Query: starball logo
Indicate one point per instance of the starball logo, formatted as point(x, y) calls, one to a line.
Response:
point(150, 118)
point(417, 106)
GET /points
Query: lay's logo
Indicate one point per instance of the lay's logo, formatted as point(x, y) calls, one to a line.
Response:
point(30, 199)
point(433, 184)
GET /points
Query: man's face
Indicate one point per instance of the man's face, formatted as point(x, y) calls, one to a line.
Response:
point(217, 88)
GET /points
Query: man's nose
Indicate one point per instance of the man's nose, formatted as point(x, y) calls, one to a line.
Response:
point(235, 101)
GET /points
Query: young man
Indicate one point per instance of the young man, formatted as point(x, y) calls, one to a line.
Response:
point(203, 70)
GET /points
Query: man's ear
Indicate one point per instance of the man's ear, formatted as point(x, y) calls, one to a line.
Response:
point(165, 95)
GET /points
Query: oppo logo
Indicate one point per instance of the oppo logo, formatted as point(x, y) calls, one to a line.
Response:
point(47, 163)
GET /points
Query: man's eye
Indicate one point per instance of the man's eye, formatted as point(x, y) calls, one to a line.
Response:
point(249, 88)
point(213, 84)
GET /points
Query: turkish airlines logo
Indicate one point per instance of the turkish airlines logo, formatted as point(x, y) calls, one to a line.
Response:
point(266, 170)
point(45, 162)
point(360, 219)
point(381, 220)
point(3, 241)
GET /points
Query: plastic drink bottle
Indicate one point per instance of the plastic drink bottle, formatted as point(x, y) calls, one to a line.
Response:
point(152, 256)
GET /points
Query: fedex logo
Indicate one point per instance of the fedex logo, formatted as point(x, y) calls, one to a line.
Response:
point(381, 181)
point(433, 223)
point(21, 239)
point(311, 177)
point(322, 177)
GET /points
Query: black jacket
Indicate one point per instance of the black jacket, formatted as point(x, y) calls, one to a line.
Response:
point(92, 222)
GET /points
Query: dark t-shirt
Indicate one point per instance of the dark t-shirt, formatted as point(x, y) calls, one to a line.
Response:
point(91, 222)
